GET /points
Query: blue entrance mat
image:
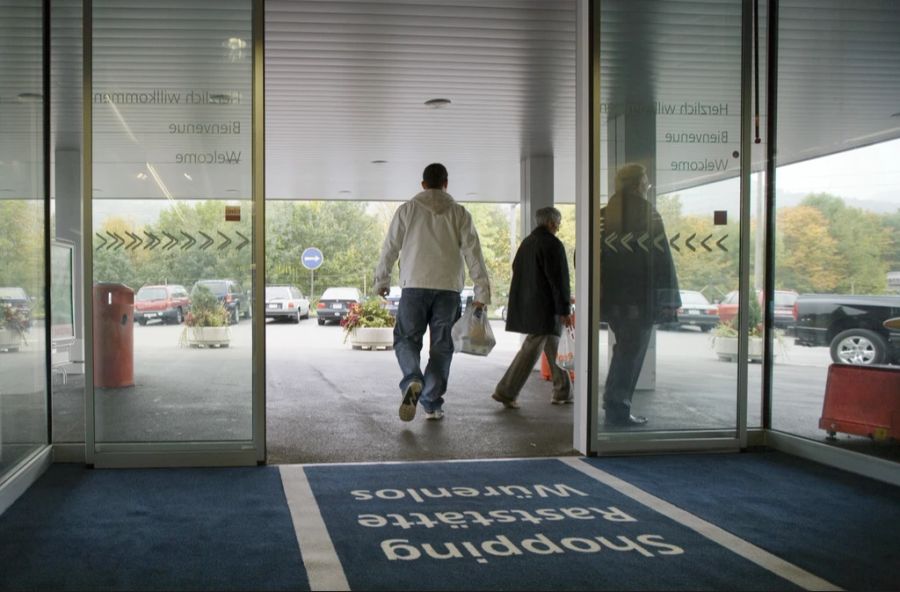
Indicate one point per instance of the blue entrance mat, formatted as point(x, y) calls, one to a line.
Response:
point(516, 525)
point(151, 529)
point(837, 525)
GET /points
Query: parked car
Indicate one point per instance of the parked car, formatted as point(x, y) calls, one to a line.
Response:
point(335, 304)
point(231, 295)
point(696, 311)
point(393, 300)
point(164, 303)
point(286, 302)
point(18, 299)
point(851, 325)
point(783, 316)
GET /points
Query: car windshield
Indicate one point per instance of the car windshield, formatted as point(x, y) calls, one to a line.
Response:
point(13, 294)
point(341, 294)
point(151, 294)
point(693, 299)
point(785, 299)
point(278, 292)
point(217, 288)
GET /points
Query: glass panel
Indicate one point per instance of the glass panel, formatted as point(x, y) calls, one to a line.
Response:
point(23, 398)
point(838, 222)
point(172, 221)
point(669, 158)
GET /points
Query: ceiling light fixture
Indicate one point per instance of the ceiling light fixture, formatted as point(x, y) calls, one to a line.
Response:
point(235, 43)
point(187, 176)
point(345, 191)
point(379, 162)
point(437, 103)
point(28, 97)
point(142, 176)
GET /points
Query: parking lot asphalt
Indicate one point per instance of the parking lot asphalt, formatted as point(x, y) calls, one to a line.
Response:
point(327, 402)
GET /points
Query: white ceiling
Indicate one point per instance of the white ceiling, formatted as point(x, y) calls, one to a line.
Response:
point(347, 81)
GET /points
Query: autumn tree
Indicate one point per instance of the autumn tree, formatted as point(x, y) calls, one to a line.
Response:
point(808, 259)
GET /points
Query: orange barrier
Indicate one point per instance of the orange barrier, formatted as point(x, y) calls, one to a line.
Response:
point(113, 335)
point(862, 400)
point(545, 369)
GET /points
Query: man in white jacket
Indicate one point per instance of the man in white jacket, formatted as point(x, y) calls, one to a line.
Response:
point(432, 235)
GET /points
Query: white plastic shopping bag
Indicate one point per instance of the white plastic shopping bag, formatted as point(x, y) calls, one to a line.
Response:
point(565, 353)
point(472, 333)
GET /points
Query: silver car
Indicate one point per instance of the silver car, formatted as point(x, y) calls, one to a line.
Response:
point(286, 302)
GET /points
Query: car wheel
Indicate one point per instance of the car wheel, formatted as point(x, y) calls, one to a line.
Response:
point(142, 322)
point(296, 318)
point(321, 321)
point(235, 316)
point(858, 346)
point(179, 316)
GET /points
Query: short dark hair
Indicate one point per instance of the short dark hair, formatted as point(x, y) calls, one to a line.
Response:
point(435, 176)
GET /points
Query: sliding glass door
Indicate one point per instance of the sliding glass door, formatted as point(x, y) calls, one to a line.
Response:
point(170, 216)
point(670, 208)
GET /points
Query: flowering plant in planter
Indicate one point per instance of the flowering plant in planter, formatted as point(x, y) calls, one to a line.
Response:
point(725, 336)
point(14, 320)
point(369, 314)
point(206, 310)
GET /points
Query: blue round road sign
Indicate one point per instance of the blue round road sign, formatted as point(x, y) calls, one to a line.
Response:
point(312, 258)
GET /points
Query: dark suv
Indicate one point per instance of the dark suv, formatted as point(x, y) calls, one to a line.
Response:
point(231, 295)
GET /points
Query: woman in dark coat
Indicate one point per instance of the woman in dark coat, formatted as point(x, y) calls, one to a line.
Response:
point(539, 304)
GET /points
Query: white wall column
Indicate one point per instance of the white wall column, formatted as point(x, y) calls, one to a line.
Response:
point(537, 188)
point(633, 139)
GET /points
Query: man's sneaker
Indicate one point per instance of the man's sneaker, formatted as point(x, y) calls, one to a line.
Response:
point(410, 398)
point(555, 401)
point(508, 403)
point(435, 415)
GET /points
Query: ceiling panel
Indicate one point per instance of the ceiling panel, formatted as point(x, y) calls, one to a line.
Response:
point(346, 82)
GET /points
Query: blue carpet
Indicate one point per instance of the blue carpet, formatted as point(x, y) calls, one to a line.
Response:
point(550, 532)
point(839, 526)
point(171, 529)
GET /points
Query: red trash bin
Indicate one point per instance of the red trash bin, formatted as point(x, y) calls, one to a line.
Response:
point(113, 335)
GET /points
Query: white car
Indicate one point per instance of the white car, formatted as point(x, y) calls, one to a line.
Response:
point(286, 302)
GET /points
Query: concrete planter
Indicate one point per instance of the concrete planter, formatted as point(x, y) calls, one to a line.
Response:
point(11, 340)
point(372, 338)
point(726, 348)
point(206, 336)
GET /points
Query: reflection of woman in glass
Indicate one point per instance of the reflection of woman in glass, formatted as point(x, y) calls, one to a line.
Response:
point(639, 286)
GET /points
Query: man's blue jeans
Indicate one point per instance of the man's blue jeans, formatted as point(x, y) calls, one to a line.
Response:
point(420, 309)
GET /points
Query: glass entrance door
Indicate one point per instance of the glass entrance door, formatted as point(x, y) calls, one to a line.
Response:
point(670, 169)
point(170, 221)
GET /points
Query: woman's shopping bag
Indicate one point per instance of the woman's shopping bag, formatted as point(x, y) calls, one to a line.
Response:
point(472, 333)
point(565, 353)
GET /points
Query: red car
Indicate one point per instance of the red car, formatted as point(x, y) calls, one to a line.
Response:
point(783, 313)
point(167, 304)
